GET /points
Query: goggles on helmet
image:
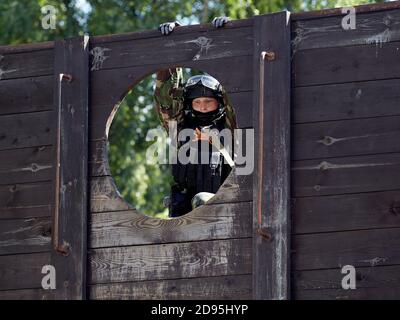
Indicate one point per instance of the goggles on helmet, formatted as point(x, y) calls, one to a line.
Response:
point(207, 81)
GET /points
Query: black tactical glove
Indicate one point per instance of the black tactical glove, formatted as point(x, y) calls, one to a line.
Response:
point(167, 27)
point(219, 21)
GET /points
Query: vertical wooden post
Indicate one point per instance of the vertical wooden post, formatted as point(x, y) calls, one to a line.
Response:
point(271, 211)
point(71, 83)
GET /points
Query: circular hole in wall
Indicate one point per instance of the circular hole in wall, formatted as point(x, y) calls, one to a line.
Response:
point(135, 133)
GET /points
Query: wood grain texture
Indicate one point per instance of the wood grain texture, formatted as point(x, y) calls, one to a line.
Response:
point(217, 221)
point(37, 95)
point(105, 197)
point(27, 294)
point(26, 130)
point(346, 138)
point(25, 200)
point(129, 36)
point(366, 277)
point(211, 288)
point(346, 212)
point(198, 46)
point(69, 233)
point(15, 65)
point(317, 14)
point(346, 101)
point(26, 165)
point(371, 28)
point(25, 235)
point(359, 248)
point(346, 64)
point(346, 175)
point(171, 261)
point(22, 271)
point(379, 282)
point(271, 214)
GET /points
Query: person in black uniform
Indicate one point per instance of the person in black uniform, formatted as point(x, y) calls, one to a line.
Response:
point(204, 110)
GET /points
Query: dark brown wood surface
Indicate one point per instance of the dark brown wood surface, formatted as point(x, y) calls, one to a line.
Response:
point(353, 100)
point(26, 95)
point(15, 65)
point(25, 235)
point(271, 215)
point(22, 271)
point(346, 137)
point(213, 221)
point(171, 261)
point(346, 212)
point(69, 233)
point(27, 200)
point(377, 283)
point(26, 130)
point(346, 175)
point(371, 28)
point(26, 165)
point(346, 64)
point(209, 288)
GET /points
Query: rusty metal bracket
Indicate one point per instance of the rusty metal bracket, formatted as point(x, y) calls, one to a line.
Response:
point(262, 231)
point(64, 248)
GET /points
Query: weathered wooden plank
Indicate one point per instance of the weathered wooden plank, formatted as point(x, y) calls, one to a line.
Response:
point(380, 282)
point(25, 200)
point(110, 86)
point(26, 130)
point(358, 294)
point(375, 28)
point(346, 212)
point(105, 196)
point(26, 294)
point(22, 271)
point(171, 261)
point(26, 47)
point(241, 101)
point(26, 95)
point(26, 64)
point(346, 64)
point(25, 212)
point(346, 175)
point(211, 288)
point(346, 101)
point(26, 165)
point(25, 235)
point(379, 277)
point(338, 11)
point(357, 248)
point(271, 186)
point(205, 45)
point(69, 233)
point(346, 138)
point(211, 221)
point(129, 36)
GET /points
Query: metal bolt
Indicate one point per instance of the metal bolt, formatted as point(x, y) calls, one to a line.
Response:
point(268, 55)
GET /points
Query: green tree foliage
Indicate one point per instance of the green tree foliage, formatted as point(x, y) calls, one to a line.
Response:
point(141, 184)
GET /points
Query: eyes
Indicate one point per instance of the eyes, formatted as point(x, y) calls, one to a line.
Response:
point(205, 101)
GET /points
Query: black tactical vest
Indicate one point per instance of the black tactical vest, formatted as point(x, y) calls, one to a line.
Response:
point(201, 177)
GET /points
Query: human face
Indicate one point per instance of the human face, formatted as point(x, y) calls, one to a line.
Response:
point(204, 104)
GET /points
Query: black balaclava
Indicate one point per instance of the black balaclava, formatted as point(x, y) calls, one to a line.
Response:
point(203, 118)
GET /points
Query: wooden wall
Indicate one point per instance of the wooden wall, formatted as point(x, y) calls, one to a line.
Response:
point(344, 179)
point(26, 168)
point(346, 155)
point(205, 254)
